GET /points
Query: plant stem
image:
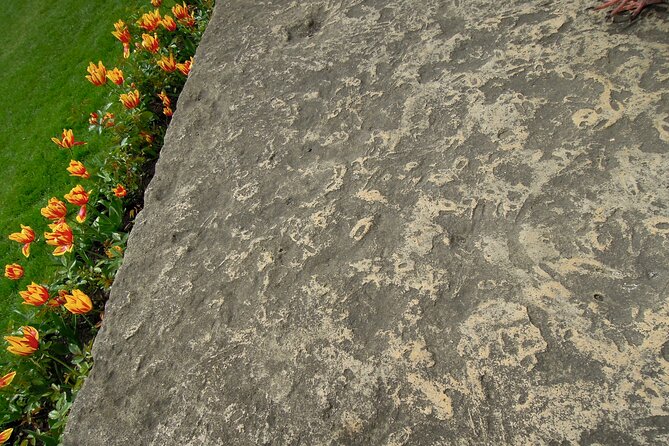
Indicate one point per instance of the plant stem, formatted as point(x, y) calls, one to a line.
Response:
point(90, 324)
point(38, 366)
point(59, 362)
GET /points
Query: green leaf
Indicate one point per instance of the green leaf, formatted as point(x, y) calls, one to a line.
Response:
point(75, 350)
point(47, 440)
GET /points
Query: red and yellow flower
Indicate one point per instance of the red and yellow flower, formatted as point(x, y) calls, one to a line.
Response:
point(78, 302)
point(58, 300)
point(108, 119)
point(67, 141)
point(79, 197)
point(165, 99)
point(169, 23)
point(156, 3)
point(180, 11)
point(35, 295)
point(116, 76)
point(60, 237)
point(114, 251)
point(24, 345)
point(120, 191)
point(77, 169)
point(55, 210)
point(150, 42)
point(167, 104)
point(121, 32)
point(13, 271)
point(167, 63)
point(4, 435)
point(150, 21)
point(146, 136)
point(7, 379)
point(184, 68)
point(182, 14)
point(188, 21)
point(26, 236)
point(130, 100)
point(97, 75)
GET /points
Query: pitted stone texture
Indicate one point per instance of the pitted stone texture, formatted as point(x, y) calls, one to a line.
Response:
point(406, 222)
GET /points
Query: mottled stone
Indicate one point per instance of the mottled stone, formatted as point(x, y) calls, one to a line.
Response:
point(408, 222)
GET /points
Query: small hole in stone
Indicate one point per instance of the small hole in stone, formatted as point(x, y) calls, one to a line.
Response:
point(598, 297)
point(306, 28)
point(664, 351)
point(522, 398)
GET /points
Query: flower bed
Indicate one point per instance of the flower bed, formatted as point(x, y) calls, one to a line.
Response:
point(87, 228)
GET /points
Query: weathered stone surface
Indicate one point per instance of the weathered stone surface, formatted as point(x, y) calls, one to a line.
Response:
point(400, 222)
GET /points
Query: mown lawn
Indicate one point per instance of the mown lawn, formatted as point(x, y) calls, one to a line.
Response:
point(46, 48)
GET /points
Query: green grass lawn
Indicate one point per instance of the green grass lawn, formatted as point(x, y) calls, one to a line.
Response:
point(46, 48)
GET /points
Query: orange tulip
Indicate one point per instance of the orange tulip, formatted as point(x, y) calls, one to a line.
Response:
point(165, 99)
point(167, 104)
point(26, 236)
point(61, 238)
point(188, 21)
point(169, 23)
point(93, 118)
point(58, 300)
point(24, 345)
point(148, 137)
point(184, 68)
point(97, 75)
point(180, 11)
point(156, 3)
point(150, 21)
point(55, 210)
point(130, 100)
point(120, 191)
point(114, 251)
point(77, 169)
point(150, 43)
point(78, 302)
point(126, 50)
point(79, 197)
point(167, 63)
point(4, 435)
point(35, 295)
point(13, 271)
point(183, 15)
point(107, 120)
point(116, 76)
point(7, 379)
point(67, 141)
point(121, 32)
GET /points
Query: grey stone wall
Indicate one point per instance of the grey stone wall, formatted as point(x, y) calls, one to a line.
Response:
point(400, 223)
